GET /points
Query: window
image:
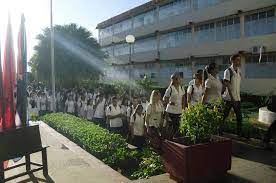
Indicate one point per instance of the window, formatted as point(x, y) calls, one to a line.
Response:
point(260, 23)
point(144, 19)
point(153, 75)
point(144, 45)
point(108, 50)
point(121, 49)
point(106, 32)
point(205, 33)
point(200, 4)
point(122, 26)
point(254, 69)
point(228, 29)
point(174, 8)
point(176, 39)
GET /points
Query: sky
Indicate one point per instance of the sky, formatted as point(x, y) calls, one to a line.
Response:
point(87, 13)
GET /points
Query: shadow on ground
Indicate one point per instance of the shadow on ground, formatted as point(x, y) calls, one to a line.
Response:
point(34, 179)
point(252, 153)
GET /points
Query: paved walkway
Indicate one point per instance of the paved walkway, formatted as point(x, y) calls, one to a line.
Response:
point(68, 163)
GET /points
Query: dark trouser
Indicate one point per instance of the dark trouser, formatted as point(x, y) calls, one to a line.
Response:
point(99, 121)
point(174, 125)
point(118, 130)
point(237, 109)
point(269, 133)
point(155, 138)
point(138, 141)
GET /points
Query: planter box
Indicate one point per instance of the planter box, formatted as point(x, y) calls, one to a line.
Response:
point(197, 163)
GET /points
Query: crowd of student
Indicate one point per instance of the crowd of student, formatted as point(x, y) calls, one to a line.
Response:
point(138, 117)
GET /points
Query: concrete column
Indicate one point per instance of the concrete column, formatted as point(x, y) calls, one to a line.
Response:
point(242, 26)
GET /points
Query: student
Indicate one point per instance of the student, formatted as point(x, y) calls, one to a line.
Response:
point(144, 103)
point(99, 107)
point(195, 91)
point(155, 119)
point(199, 72)
point(32, 104)
point(174, 99)
point(231, 96)
point(124, 107)
point(137, 126)
point(43, 104)
point(114, 115)
point(90, 110)
point(82, 107)
point(132, 107)
point(70, 105)
point(213, 85)
point(154, 113)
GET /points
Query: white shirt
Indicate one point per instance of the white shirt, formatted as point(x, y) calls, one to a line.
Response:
point(99, 111)
point(70, 106)
point(145, 105)
point(192, 82)
point(90, 112)
point(214, 86)
point(155, 116)
point(113, 111)
point(235, 84)
point(43, 103)
point(196, 93)
point(176, 97)
point(130, 111)
point(138, 124)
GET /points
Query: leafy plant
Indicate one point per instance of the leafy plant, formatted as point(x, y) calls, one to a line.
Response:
point(33, 117)
point(111, 148)
point(200, 122)
point(149, 166)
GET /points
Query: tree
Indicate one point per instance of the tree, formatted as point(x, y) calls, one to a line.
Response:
point(77, 56)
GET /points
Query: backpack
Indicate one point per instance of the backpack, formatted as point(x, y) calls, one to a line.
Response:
point(231, 73)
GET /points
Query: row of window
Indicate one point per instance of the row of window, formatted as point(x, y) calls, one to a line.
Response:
point(253, 69)
point(255, 24)
point(174, 8)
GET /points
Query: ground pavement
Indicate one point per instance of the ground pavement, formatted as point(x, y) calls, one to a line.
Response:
point(68, 163)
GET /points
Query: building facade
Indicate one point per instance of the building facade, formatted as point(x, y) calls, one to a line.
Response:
point(186, 35)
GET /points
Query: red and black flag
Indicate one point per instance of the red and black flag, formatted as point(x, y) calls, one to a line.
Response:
point(9, 81)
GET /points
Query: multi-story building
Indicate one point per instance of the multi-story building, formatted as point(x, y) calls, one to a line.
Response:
point(185, 35)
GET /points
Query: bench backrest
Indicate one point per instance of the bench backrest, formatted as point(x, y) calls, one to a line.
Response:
point(20, 141)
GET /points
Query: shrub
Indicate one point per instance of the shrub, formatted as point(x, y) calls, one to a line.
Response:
point(200, 122)
point(110, 148)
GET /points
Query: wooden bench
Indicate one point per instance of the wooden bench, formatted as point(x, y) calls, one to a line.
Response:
point(21, 142)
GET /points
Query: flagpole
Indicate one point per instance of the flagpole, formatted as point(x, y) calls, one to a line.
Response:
point(53, 58)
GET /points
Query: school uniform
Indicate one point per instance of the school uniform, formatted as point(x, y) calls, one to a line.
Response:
point(43, 105)
point(196, 93)
point(137, 121)
point(214, 87)
point(115, 124)
point(99, 115)
point(174, 110)
point(83, 108)
point(234, 77)
point(90, 112)
point(70, 104)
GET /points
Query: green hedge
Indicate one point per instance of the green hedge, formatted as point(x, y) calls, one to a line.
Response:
point(110, 148)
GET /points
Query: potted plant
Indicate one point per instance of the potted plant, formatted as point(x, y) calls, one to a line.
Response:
point(200, 155)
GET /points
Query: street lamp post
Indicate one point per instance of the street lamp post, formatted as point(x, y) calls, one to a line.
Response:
point(130, 39)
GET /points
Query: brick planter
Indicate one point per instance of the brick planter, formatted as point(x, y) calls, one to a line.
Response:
point(197, 163)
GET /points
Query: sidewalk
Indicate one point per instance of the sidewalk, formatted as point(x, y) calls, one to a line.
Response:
point(68, 163)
